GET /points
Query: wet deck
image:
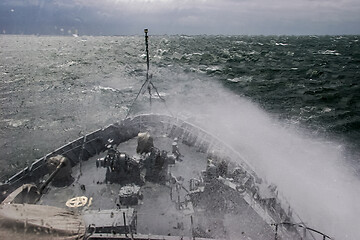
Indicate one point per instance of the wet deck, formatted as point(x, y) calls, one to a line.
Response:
point(158, 213)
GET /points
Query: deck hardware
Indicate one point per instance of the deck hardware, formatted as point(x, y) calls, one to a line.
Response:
point(76, 202)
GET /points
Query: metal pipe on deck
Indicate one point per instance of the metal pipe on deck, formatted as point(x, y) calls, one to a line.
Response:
point(192, 227)
point(125, 224)
point(46, 183)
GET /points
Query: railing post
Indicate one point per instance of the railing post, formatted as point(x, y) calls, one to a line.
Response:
point(192, 227)
point(125, 224)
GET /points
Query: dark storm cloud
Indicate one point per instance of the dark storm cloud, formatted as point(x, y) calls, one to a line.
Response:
point(114, 17)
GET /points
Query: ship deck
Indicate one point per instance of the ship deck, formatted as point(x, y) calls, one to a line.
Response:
point(158, 212)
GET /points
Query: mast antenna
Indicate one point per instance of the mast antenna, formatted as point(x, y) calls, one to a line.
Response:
point(147, 63)
point(148, 81)
point(147, 52)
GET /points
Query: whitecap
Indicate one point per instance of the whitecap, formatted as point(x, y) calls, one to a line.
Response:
point(177, 55)
point(240, 79)
point(68, 64)
point(106, 88)
point(326, 110)
point(329, 52)
point(161, 51)
point(240, 42)
point(234, 80)
point(186, 37)
point(213, 69)
point(165, 41)
point(162, 94)
point(15, 122)
point(197, 70)
point(102, 88)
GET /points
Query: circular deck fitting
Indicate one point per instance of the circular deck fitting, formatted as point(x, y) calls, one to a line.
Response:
point(76, 202)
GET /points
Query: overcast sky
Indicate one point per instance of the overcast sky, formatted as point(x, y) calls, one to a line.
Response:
point(128, 17)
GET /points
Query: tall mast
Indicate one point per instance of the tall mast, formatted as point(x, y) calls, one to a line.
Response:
point(147, 52)
point(147, 82)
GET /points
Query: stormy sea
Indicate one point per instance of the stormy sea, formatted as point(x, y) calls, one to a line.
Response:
point(290, 105)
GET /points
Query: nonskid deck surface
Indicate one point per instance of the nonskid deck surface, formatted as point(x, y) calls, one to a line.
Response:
point(158, 212)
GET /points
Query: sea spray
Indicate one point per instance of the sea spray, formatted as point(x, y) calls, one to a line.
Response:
point(309, 170)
